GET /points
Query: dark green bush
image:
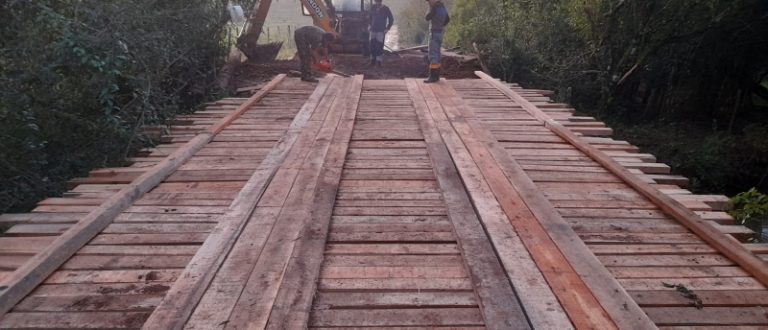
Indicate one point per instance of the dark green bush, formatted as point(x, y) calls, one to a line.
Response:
point(750, 206)
point(691, 70)
point(79, 79)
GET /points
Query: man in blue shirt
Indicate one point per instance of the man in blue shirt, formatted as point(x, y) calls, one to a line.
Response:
point(438, 19)
point(381, 22)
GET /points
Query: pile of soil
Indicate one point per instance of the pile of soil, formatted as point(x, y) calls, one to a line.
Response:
point(410, 64)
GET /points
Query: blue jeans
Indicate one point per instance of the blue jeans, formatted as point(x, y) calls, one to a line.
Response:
point(377, 45)
point(435, 42)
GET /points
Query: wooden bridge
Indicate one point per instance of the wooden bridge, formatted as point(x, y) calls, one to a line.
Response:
point(383, 204)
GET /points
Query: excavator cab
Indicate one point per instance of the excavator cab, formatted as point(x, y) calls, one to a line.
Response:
point(347, 19)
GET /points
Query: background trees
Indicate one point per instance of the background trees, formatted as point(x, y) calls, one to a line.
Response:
point(80, 78)
point(684, 79)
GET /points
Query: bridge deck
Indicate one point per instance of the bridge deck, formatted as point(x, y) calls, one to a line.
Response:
point(387, 204)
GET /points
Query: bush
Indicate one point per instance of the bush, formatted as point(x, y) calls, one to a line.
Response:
point(698, 65)
point(79, 79)
point(750, 208)
point(412, 29)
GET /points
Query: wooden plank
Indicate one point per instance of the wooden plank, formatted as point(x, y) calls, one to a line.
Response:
point(391, 210)
point(292, 305)
point(382, 228)
point(695, 284)
point(390, 197)
point(497, 298)
point(708, 316)
point(393, 272)
point(133, 239)
point(179, 303)
point(134, 303)
point(674, 249)
point(641, 238)
point(673, 272)
point(340, 300)
point(90, 320)
point(113, 276)
point(393, 237)
point(256, 303)
point(24, 245)
point(608, 225)
point(523, 200)
point(399, 248)
point(398, 317)
point(112, 289)
point(97, 262)
point(15, 218)
point(665, 260)
point(12, 262)
point(389, 219)
point(152, 228)
point(708, 298)
point(144, 250)
point(392, 261)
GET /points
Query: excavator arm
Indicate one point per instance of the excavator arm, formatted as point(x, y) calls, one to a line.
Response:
point(247, 42)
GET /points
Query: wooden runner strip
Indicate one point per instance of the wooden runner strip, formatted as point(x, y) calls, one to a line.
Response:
point(184, 295)
point(538, 300)
point(231, 278)
point(586, 289)
point(722, 242)
point(498, 302)
point(293, 303)
point(257, 298)
point(220, 296)
point(31, 274)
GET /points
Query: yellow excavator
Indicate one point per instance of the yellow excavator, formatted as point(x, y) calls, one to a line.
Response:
point(347, 19)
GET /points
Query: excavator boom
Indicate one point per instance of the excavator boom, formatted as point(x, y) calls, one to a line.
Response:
point(248, 41)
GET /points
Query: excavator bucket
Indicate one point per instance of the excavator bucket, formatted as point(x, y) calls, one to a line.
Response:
point(247, 43)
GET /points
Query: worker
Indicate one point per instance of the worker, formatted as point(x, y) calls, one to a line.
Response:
point(381, 21)
point(438, 19)
point(312, 44)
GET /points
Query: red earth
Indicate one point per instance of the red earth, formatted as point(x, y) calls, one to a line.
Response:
point(409, 64)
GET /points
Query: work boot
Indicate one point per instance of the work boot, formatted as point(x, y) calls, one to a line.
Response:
point(308, 79)
point(434, 76)
point(378, 63)
point(373, 62)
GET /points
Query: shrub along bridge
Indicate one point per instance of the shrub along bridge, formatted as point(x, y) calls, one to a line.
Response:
point(353, 203)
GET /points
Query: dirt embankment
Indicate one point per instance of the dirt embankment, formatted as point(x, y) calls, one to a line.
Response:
point(409, 64)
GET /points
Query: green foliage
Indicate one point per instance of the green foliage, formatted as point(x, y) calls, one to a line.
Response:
point(750, 207)
point(80, 78)
point(411, 26)
point(699, 63)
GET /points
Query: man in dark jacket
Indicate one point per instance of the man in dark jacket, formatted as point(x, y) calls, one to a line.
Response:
point(438, 19)
point(381, 22)
point(312, 44)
